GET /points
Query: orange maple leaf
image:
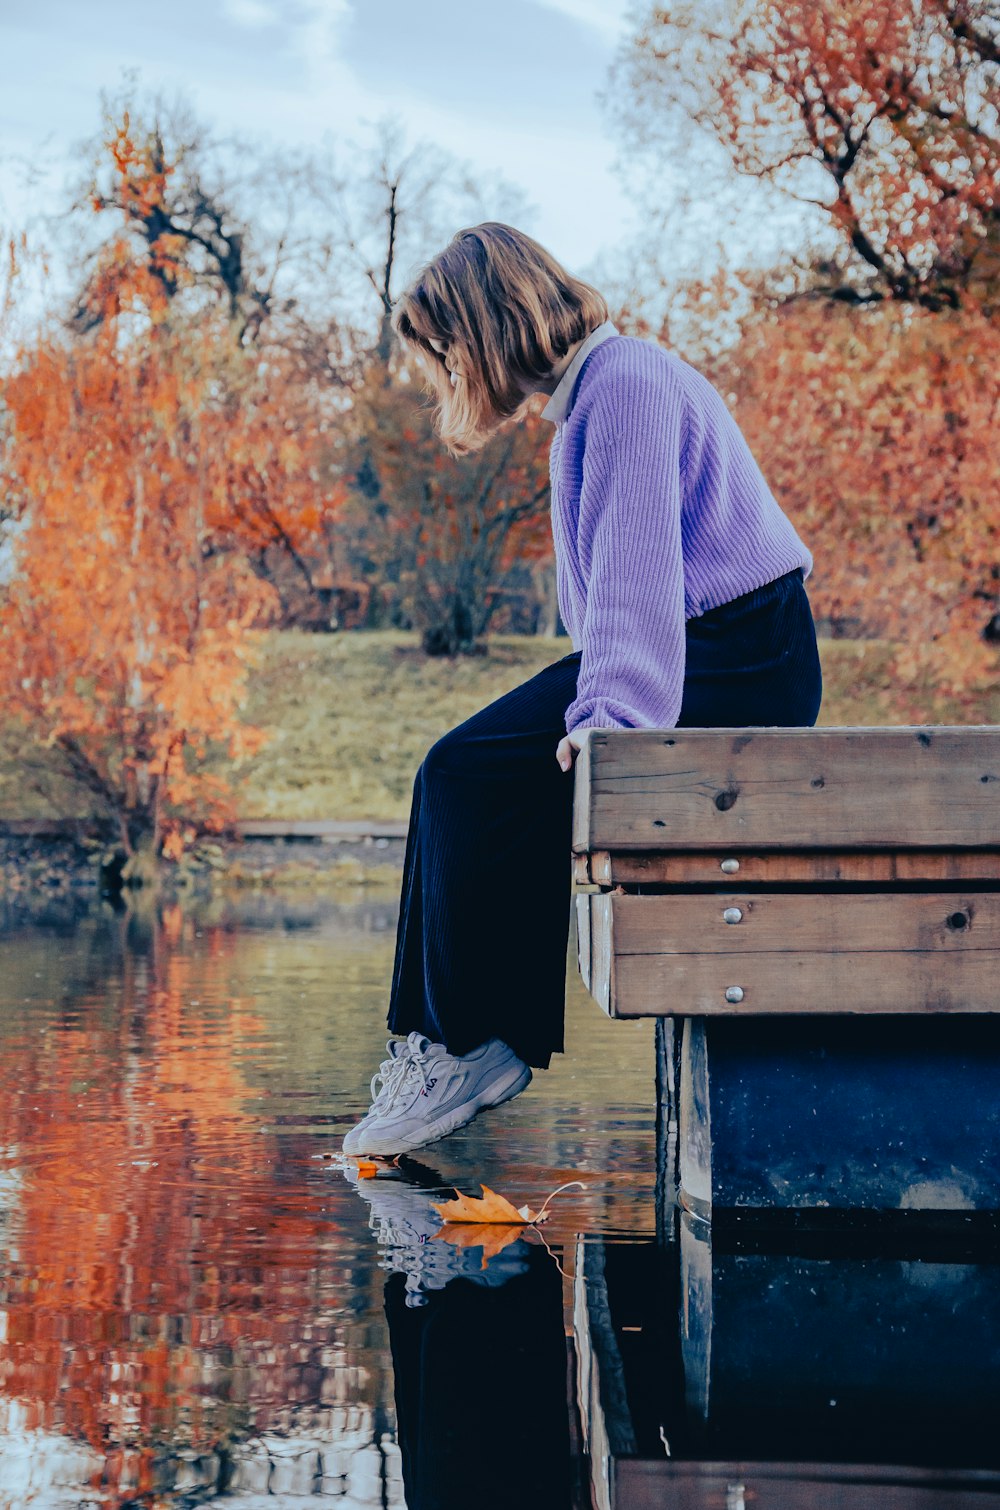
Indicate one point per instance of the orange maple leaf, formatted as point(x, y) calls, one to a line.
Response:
point(494, 1208)
point(491, 1208)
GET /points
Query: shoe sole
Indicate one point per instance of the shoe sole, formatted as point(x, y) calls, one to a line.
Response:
point(448, 1122)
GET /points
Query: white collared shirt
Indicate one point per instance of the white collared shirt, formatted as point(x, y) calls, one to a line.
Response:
point(558, 405)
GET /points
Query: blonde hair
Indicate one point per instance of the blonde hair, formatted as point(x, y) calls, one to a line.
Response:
point(507, 310)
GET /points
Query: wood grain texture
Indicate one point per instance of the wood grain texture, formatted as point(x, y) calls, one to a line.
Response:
point(865, 867)
point(646, 985)
point(583, 938)
point(601, 957)
point(709, 789)
point(796, 952)
point(806, 922)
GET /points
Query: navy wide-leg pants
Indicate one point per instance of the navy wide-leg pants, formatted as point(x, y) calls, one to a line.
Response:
point(483, 931)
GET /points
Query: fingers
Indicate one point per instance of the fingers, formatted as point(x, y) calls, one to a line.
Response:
point(565, 753)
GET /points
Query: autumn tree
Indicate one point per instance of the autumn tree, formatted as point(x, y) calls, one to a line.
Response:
point(439, 533)
point(163, 188)
point(864, 376)
point(162, 182)
point(137, 460)
point(880, 114)
point(876, 428)
point(159, 180)
point(440, 530)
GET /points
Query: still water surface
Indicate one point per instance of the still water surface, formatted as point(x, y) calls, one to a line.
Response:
point(199, 1300)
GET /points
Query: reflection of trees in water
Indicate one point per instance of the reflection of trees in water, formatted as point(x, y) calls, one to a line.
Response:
point(343, 1451)
point(332, 917)
point(172, 1286)
point(184, 1288)
point(110, 957)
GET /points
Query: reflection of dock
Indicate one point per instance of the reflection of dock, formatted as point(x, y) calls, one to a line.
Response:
point(795, 1486)
point(748, 1372)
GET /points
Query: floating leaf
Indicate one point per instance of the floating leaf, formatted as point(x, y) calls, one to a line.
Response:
point(491, 1208)
point(495, 1208)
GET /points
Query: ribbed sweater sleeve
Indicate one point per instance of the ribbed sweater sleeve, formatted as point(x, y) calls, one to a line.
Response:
point(632, 637)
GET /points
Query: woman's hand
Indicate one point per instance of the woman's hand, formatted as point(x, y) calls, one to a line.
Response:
point(567, 747)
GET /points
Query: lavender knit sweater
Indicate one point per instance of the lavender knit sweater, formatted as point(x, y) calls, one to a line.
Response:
point(659, 513)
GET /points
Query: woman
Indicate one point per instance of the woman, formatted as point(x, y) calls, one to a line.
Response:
point(680, 581)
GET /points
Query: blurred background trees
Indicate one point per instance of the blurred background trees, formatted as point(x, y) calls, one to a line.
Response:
point(216, 434)
point(863, 362)
point(192, 453)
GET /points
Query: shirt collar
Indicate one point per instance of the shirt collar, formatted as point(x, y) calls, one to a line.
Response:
point(558, 405)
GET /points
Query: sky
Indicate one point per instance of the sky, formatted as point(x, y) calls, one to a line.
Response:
point(508, 85)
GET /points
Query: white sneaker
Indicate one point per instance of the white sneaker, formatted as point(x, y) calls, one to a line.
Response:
point(424, 1093)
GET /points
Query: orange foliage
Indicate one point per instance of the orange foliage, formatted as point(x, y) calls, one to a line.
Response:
point(876, 428)
point(444, 528)
point(882, 112)
point(8, 274)
point(144, 462)
point(123, 629)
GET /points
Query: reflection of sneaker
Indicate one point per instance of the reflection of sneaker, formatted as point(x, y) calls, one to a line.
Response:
point(405, 1225)
point(426, 1093)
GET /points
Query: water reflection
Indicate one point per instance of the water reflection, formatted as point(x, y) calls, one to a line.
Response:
point(191, 1298)
point(479, 1350)
point(198, 1300)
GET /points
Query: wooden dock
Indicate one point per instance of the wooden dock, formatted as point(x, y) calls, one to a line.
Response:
point(813, 916)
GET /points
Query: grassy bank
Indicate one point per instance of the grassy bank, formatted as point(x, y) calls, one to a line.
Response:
point(351, 715)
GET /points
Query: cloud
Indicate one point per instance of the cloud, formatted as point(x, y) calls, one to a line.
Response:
point(605, 16)
point(253, 14)
point(315, 39)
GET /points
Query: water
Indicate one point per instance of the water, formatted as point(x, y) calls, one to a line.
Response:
point(184, 1265)
point(199, 1301)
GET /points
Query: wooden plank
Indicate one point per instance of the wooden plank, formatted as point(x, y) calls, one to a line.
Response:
point(601, 958)
point(805, 922)
point(648, 1484)
point(795, 953)
point(646, 985)
point(581, 870)
point(761, 867)
point(843, 788)
point(247, 828)
point(583, 938)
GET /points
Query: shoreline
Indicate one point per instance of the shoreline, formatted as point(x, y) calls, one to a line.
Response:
point(60, 865)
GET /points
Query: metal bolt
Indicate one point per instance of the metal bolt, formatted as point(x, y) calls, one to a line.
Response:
point(734, 993)
point(733, 915)
point(730, 867)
